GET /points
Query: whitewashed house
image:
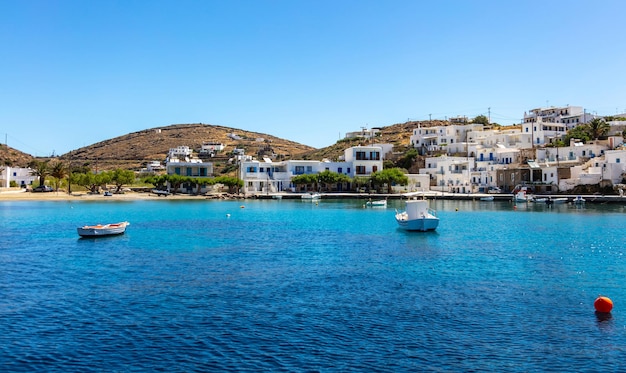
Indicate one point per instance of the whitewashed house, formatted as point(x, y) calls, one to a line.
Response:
point(181, 161)
point(155, 166)
point(450, 174)
point(364, 133)
point(365, 160)
point(267, 176)
point(20, 176)
point(546, 125)
point(211, 148)
point(450, 138)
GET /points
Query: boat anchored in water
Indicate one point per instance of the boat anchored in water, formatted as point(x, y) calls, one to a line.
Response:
point(311, 196)
point(378, 203)
point(102, 230)
point(417, 216)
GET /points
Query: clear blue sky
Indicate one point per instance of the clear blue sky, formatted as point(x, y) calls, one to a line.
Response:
point(73, 73)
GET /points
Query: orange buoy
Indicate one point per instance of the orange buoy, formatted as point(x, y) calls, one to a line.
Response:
point(603, 304)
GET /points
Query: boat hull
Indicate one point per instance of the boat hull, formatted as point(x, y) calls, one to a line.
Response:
point(102, 230)
point(420, 225)
point(417, 217)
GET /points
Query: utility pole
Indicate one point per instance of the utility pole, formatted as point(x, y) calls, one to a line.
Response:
point(489, 113)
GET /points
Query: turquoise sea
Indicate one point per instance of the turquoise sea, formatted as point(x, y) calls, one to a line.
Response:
point(282, 285)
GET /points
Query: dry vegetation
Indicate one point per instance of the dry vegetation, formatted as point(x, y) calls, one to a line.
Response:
point(134, 150)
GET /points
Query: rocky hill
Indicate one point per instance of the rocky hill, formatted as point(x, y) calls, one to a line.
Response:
point(13, 158)
point(135, 150)
point(397, 134)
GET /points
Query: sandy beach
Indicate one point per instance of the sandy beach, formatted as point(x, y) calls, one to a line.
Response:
point(18, 194)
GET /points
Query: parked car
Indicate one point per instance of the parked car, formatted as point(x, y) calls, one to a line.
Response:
point(494, 190)
point(43, 188)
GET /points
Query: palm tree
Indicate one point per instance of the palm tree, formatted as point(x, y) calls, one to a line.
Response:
point(597, 128)
point(40, 169)
point(59, 172)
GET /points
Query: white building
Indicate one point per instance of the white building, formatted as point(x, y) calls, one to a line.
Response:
point(450, 174)
point(154, 166)
point(451, 138)
point(364, 133)
point(181, 161)
point(20, 176)
point(211, 147)
point(267, 176)
point(546, 125)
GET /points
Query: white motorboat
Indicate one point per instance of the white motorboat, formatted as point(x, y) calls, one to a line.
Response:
point(417, 216)
point(578, 200)
point(311, 196)
point(487, 198)
point(102, 230)
point(523, 196)
point(379, 203)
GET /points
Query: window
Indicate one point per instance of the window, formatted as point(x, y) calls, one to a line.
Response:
point(617, 160)
point(374, 168)
point(203, 171)
point(177, 170)
point(250, 169)
point(309, 169)
point(360, 170)
point(348, 171)
point(299, 170)
point(360, 156)
point(261, 169)
point(339, 170)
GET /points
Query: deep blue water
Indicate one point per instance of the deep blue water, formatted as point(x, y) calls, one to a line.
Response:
point(295, 286)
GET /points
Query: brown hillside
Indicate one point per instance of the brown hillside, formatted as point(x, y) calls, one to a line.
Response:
point(397, 134)
point(135, 150)
point(13, 158)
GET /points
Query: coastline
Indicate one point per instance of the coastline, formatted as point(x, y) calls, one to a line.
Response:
point(15, 194)
point(18, 194)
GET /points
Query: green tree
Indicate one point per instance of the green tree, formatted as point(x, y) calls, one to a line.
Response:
point(306, 179)
point(361, 181)
point(597, 128)
point(201, 182)
point(407, 159)
point(329, 178)
point(40, 169)
point(121, 177)
point(175, 182)
point(58, 171)
point(389, 177)
point(481, 119)
point(234, 184)
point(579, 132)
point(159, 181)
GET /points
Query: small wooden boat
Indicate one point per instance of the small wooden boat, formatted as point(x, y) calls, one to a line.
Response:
point(487, 198)
point(102, 230)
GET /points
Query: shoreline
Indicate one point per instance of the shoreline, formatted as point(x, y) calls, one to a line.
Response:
point(18, 194)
